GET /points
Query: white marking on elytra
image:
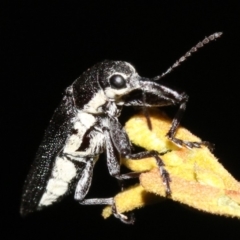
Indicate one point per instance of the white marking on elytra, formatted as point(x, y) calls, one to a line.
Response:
point(64, 171)
point(47, 199)
point(57, 186)
point(72, 143)
point(84, 122)
point(96, 146)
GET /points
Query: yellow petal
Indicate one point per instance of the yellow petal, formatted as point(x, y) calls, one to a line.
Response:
point(197, 178)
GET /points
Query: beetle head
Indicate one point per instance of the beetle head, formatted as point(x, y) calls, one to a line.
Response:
point(117, 79)
point(119, 83)
point(107, 81)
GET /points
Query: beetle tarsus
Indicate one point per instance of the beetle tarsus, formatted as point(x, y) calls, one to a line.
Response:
point(209, 145)
point(130, 219)
point(166, 180)
point(188, 144)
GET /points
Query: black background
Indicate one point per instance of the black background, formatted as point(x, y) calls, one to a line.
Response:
point(47, 45)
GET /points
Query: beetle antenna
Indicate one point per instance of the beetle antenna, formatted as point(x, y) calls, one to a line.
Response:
point(194, 49)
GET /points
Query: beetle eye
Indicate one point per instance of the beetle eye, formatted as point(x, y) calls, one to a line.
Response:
point(117, 81)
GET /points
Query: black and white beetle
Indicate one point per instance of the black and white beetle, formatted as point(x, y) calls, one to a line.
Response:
point(86, 124)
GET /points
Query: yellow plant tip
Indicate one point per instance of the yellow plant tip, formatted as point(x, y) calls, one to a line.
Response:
point(197, 178)
point(202, 197)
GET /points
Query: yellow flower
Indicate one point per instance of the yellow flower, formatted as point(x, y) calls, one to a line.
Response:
point(197, 178)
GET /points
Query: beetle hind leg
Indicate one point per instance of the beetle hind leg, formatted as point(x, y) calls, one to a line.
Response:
point(128, 219)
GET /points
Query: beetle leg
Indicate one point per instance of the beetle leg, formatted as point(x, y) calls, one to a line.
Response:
point(85, 180)
point(114, 147)
point(175, 124)
point(113, 160)
point(163, 172)
point(84, 184)
point(130, 219)
point(110, 201)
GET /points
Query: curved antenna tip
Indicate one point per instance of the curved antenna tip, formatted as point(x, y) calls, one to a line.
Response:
point(205, 41)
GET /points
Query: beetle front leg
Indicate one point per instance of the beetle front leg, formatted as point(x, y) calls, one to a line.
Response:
point(155, 95)
point(175, 124)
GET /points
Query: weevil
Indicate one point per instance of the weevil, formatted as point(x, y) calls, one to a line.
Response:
point(86, 124)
